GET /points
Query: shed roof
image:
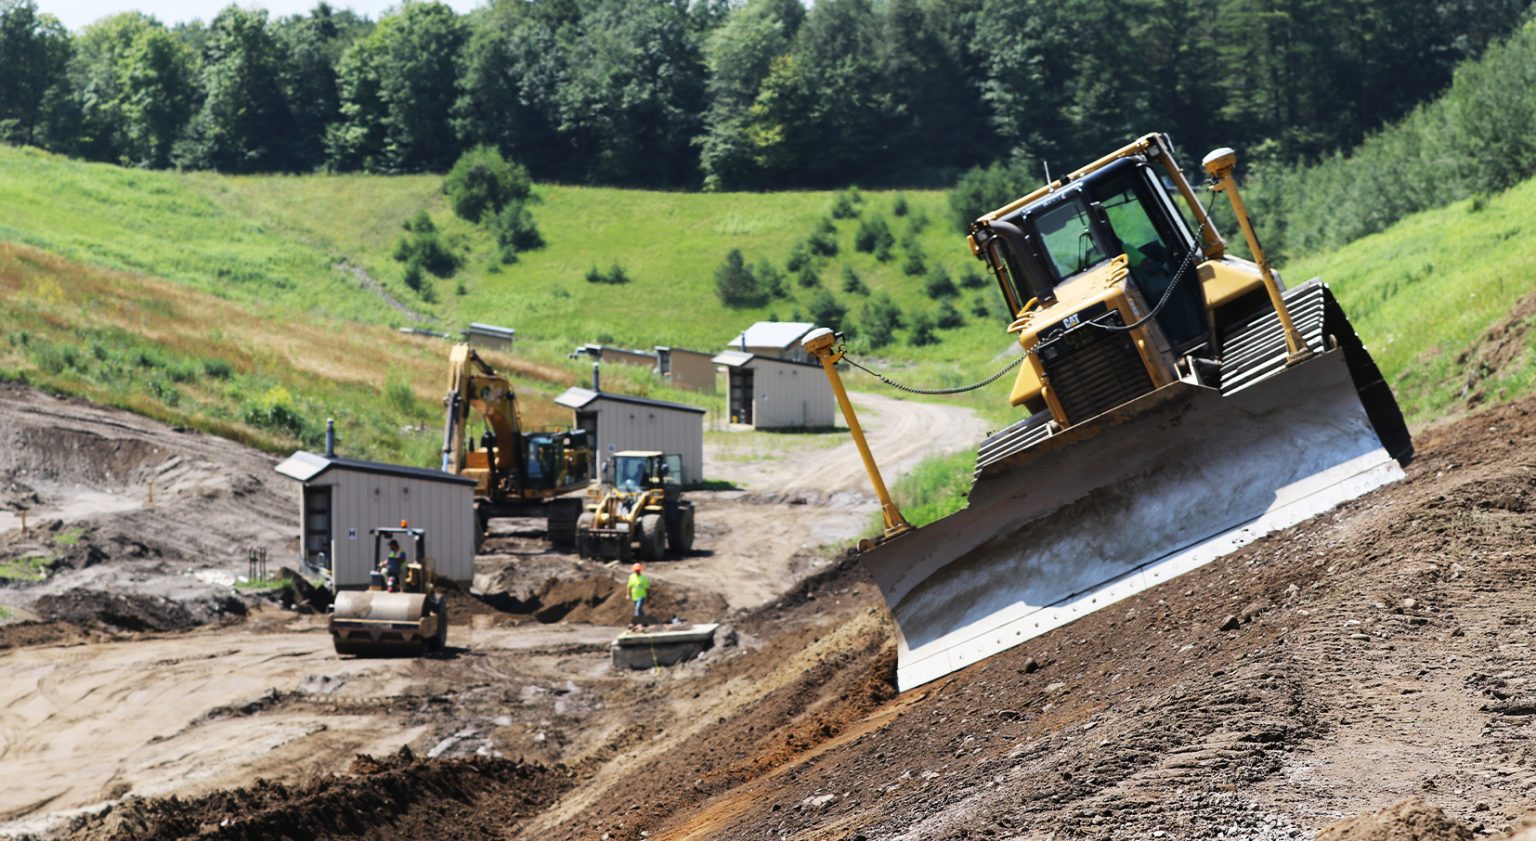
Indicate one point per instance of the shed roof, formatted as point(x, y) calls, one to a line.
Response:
point(305, 466)
point(490, 330)
point(580, 398)
point(740, 359)
point(779, 334)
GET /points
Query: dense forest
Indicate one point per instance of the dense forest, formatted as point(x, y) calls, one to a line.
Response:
point(765, 94)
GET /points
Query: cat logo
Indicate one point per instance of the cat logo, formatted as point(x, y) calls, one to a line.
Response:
point(1072, 320)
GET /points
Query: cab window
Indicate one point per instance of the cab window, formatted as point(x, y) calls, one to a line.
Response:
point(1068, 241)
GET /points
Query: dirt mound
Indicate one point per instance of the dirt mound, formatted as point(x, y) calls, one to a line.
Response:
point(24, 634)
point(411, 798)
point(116, 612)
point(1405, 820)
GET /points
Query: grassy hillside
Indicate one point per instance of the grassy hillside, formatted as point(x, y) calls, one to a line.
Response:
point(1443, 301)
point(257, 306)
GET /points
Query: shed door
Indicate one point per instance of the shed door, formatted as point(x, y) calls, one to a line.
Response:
point(741, 395)
point(317, 525)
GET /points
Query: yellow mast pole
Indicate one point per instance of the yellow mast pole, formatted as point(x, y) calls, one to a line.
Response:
point(822, 344)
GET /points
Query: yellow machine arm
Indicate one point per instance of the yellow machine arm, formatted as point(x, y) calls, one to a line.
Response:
point(474, 384)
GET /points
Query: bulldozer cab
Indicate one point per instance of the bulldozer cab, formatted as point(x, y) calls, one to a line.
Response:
point(1119, 209)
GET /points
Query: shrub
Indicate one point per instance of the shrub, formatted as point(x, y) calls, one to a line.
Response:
point(846, 205)
point(985, 189)
point(872, 233)
point(615, 275)
point(949, 317)
point(423, 246)
point(400, 396)
point(879, 319)
point(799, 257)
point(735, 285)
point(900, 206)
point(972, 279)
point(807, 277)
point(981, 307)
point(938, 285)
point(515, 231)
point(922, 331)
point(274, 410)
point(217, 369)
point(482, 182)
point(413, 276)
point(825, 311)
point(770, 281)
point(851, 282)
point(915, 264)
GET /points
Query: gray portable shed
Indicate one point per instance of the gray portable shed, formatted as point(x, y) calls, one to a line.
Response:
point(343, 498)
point(491, 337)
point(690, 369)
point(620, 422)
point(773, 393)
point(776, 339)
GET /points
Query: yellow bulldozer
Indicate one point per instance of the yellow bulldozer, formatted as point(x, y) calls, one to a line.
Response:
point(401, 612)
point(1177, 403)
point(516, 473)
point(642, 511)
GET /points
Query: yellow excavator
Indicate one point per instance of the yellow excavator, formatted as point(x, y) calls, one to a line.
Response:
point(405, 615)
point(1177, 403)
point(516, 473)
point(642, 510)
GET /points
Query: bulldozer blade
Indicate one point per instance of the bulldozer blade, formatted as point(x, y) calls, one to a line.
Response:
point(1076, 521)
point(370, 623)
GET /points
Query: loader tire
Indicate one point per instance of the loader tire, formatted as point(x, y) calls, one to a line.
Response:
point(561, 523)
point(652, 537)
point(439, 641)
point(680, 530)
point(584, 547)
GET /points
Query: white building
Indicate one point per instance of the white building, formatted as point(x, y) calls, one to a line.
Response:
point(774, 339)
point(618, 422)
point(771, 393)
point(343, 498)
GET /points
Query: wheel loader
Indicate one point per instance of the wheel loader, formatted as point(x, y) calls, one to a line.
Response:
point(641, 512)
point(516, 473)
point(410, 619)
point(1176, 402)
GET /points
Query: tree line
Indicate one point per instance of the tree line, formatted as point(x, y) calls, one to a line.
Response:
point(760, 94)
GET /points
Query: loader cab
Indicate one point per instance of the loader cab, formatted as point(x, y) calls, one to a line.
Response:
point(640, 470)
point(1120, 209)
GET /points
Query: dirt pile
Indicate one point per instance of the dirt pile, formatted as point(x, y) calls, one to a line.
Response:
point(1376, 652)
point(469, 797)
point(133, 613)
point(1405, 820)
point(123, 504)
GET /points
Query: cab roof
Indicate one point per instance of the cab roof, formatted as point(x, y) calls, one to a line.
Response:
point(638, 453)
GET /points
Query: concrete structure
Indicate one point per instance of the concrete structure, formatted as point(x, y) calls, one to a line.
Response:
point(343, 498)
point(662, 648)
point(623, 356)
point(771, 393)
point(619, 422)
point(690, 369)
point(491, 337)
point(774, 339)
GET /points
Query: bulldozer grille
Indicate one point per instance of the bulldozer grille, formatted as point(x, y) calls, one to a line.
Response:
point(1093, 370)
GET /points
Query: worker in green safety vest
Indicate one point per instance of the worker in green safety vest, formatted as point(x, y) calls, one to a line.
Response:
point(639, 591)
point(394, 566)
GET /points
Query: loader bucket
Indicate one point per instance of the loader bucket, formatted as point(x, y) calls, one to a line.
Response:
point(1059, 525)
point(372, 623)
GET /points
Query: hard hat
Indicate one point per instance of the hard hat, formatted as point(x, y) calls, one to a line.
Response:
point(638, 567)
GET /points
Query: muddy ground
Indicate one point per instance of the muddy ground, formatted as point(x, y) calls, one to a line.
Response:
point(140, 681)
point(1364, 675)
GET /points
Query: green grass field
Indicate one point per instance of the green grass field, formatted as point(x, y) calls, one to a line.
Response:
point(224, 302)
